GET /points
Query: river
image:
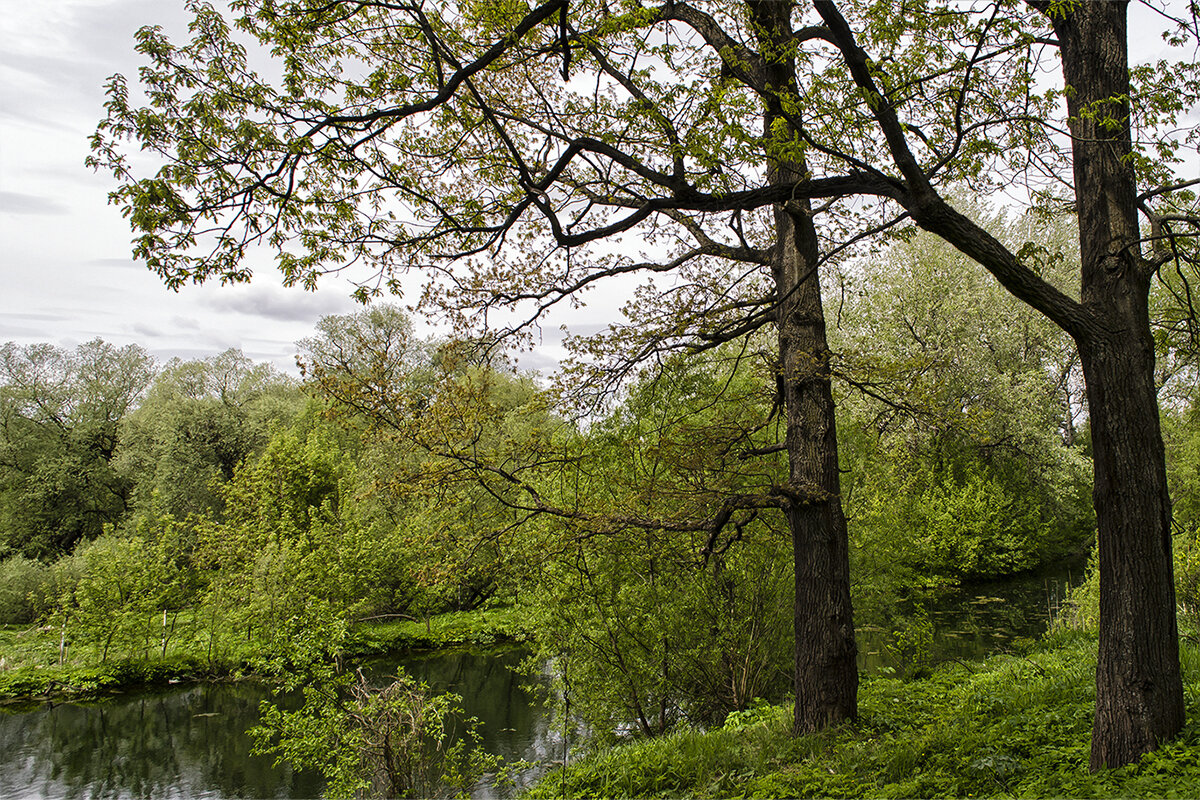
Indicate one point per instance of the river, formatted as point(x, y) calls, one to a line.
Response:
point(190, 741)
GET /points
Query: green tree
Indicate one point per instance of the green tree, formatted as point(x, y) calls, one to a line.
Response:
point(407, 138)
point(198, 422)
point(466, 97)
point(652, 617)
point(123, 592)
point(273, 566)
point(962, 403)
point(60, 414)
point(430, 417)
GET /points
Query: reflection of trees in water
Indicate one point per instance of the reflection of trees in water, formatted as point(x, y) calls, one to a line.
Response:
point(150, 746)
point(973, 621)
point(515, 722)
point(191, 742)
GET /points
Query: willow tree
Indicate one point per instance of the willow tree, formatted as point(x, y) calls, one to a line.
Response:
point(515, 156)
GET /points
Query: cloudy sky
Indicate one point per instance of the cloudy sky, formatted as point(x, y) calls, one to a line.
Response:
point(65, 271)
point(66, 275)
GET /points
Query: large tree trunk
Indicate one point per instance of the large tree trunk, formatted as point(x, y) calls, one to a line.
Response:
point(826, 678)
point(1139, 692)
point(826, 665)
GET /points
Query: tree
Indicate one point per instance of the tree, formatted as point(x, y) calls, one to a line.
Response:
point(1139, 687)
point(451, 164)
point(456, 141)
point(199, 421)
point(958, 416)
point(432, 417)
point(60, 413)
point(654, 624)
point(369, 740)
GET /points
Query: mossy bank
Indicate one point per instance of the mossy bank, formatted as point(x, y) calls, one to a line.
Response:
point(30, 670)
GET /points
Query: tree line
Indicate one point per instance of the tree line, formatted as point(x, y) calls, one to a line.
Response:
point(266, 518)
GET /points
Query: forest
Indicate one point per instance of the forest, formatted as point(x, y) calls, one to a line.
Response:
point(901, 300)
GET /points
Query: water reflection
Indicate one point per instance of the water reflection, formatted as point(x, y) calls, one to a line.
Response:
point(191, 742)
point(516, 724)
point(180, 743)
point(970, 622)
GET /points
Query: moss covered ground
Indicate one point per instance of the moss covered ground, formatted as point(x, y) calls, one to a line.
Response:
point(30, 667)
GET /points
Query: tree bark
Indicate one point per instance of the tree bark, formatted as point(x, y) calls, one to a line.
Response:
point(1139, 690)
point(826, 666)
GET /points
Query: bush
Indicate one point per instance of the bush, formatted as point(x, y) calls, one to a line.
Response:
point(21, 583)
point(397, 740)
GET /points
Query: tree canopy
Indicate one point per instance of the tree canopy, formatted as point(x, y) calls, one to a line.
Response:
point(516, 155)
point(60, 412)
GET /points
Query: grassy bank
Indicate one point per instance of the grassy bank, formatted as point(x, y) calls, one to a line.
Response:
point(1011, 726)
point(32, 667)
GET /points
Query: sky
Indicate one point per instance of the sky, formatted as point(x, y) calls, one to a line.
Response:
point(66, 274)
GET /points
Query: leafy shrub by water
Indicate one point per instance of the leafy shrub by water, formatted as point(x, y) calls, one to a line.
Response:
point(395, 740)
point(21, 581)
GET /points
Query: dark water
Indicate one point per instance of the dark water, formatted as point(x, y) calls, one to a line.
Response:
point(181, 743)
point(190, 742)
point(509, 704)
point(969, 622)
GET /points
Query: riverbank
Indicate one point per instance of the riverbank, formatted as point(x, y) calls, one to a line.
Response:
point(30, 671)
point(1011, 725)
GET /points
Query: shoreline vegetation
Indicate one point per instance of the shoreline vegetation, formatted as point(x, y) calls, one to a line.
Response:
point(30, 673)
point(273, 531)
point(1012, 725)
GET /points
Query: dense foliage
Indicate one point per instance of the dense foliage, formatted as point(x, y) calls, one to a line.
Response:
point(1012, 726)
point(404, 477)
point(269, 525)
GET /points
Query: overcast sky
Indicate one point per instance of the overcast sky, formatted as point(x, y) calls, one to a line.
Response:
point(66, 275)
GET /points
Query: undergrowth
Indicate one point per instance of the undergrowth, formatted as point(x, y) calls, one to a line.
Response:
point(1011, 726)
point(30, 665)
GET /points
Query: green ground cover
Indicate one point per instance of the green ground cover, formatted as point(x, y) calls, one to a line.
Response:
point(30, 665)
point(1010, 726)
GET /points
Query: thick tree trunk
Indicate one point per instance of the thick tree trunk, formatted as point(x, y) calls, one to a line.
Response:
point(826, 666)
point(826, 678)
point(1139, 692)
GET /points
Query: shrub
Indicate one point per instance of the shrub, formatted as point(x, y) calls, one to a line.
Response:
point(21, 582)
point(398, 740)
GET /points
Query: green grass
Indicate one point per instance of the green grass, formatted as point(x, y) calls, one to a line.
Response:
point(1012, 726)
point(30, 668)
point(456, 628)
